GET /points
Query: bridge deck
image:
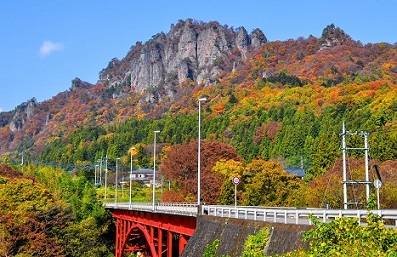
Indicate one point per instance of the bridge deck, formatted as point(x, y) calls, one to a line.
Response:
point(270, 214)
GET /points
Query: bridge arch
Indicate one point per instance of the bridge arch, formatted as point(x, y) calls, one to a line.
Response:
point(133, 248)
point(156, 234)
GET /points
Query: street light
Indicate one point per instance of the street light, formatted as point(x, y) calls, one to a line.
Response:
point(122, 185)
point(117, 170)
point(96, 176)
point(106, 176)
point(22, 160)
point(199, 150)
point(100, 171)
point(154, 165)
point(132, 148)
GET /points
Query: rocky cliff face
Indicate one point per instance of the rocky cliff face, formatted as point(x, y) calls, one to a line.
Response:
point(190, 50)
point(22, 113)
point(192, 53)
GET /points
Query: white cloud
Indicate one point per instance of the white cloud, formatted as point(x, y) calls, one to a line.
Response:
point(49, 47)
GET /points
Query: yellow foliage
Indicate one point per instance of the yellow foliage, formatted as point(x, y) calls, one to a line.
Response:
point(229, 168)
point(388, 66)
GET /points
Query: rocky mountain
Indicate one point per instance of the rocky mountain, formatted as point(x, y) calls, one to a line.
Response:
point(191, 50)
point(151, 72)
point(164, 76)
point(22, 113)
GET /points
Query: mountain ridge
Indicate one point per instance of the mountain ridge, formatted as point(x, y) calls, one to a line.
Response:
point(187, 51)
point(118, 95)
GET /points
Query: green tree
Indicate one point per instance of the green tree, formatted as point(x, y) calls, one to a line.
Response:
point(228, 169)
point(346, 237)
point(269, 185)
point(83, 232)
point(255, 244)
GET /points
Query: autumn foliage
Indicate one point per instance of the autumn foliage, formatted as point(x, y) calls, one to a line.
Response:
point(180, 166)
point(35, 221)
point(283, 103)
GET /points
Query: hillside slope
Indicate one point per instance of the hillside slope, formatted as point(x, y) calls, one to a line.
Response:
point(268, 99)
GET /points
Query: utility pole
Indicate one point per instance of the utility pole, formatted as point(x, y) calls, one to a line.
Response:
point(346, 182)
point(344, 166)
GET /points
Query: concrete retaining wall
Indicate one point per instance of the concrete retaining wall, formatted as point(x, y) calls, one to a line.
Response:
point(233, 232)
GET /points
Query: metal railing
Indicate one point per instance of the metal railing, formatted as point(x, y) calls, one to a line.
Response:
point(293, 215)
point(269, 214)
point(186, 209)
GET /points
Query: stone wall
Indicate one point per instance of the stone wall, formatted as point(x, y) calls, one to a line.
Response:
point(233, 232)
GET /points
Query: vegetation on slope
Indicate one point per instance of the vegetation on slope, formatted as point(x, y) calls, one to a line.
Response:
point(341, 237)
point(48, 213)
point(282, 107)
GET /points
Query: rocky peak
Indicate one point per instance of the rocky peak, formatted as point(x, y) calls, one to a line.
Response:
point(243, 40)
point(190, 50)
point(257, 38)
point(79, 84)
point(22, 113)
point(333, 36)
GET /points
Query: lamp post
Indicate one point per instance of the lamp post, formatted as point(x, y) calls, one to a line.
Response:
point(154, 167)
point(106, 176)
point(22, 160)
point(199, 150)
point(122, 186)
point(96, 176)
point(132, 148)
point(100, 171)
point(115, 183)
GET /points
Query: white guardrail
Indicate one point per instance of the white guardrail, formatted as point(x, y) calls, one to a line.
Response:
point(269, 214)
point(294, 215)
point(186, 209)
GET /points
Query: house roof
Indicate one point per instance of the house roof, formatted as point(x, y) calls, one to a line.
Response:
point(142, 171)
point(295, 171)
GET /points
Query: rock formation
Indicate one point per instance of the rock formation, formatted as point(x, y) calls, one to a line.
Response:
point(190, 50)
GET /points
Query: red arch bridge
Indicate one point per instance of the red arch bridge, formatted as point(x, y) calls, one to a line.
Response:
point(164, 229)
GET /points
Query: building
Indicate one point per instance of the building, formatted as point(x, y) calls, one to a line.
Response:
point(143, 175)
point(299, 172)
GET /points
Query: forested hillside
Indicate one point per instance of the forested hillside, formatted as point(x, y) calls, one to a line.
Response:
point(45, 212)
point(280, 101)
point(271, 105)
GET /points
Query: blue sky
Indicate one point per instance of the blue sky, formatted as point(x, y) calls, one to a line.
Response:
point(45, 44)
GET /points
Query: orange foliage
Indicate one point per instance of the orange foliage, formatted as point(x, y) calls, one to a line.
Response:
point(172, 196)
point(219, 108)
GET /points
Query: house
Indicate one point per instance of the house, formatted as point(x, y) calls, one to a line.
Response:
point(299, 172)
point(144, 175)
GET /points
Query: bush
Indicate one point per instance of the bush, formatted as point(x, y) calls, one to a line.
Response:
point(346, 237)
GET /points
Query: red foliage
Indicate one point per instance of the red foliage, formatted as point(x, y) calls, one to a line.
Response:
point(28, 237)
point(259, 134)
point(172, 196)
point(328, 188)
point(272, 128)
point(180, 166)
point(9, 172)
